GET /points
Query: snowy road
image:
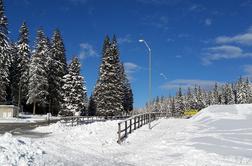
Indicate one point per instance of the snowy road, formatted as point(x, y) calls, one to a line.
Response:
point(218, 136)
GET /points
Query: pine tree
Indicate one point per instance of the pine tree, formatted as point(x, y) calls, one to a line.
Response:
point(91, 106)
point(38, 76)
point(127, 92)
point(241, 91)
point(57, 69)
point(227, 94)
point(200, 99)
point(216, 94)
point(5, 51)
point(109, 100)
point(75, 92)
point(173, 107)
point(249, 91)
point(24, 54)
point(14, 75)
point(190, 100)
point(179, 103)
point(98, 89)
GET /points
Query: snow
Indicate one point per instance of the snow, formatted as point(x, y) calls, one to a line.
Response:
point(218, 135)
point(27, 119)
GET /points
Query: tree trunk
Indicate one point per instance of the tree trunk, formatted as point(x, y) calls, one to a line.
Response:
point(34, 107)
point(50, 106)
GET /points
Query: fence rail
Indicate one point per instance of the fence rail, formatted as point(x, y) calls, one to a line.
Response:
point(77, 120)
point(127, 126)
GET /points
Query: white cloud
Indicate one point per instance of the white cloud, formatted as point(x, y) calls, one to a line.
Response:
point(130, 69)
point(157, 21)
point(183, 35)
point(244, 39)
point(248, 71)
point(87, 50)
point(125, 39)
point(197, 8)
point(185, 83)
point(163, 75)
point(208, 22)
point(223, 52)
point(170, 40)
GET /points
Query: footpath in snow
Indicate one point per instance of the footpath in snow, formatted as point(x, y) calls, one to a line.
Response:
point(217, 136)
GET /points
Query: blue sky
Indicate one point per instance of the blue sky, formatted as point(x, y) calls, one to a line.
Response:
point(193, 42)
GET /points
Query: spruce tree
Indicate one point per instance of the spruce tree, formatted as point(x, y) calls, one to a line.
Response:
point(97, 89)
point(38, 73)
point(200, 99)
point(5, 51)
point(190, 100)
point(75, 92)
point(127, 92)
point(216, 94)
point(249, 91)
point(241, 91)
point(57, 69)
point(91, 106)
point(109, 100)
point(14, 76)
point(179, 103)
point(24, 55)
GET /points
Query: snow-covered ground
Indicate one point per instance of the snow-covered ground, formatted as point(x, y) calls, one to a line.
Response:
point(217, 136)
point(23, 118)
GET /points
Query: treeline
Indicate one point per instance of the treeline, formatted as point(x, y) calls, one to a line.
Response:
point(40, 81)
point(198, 98)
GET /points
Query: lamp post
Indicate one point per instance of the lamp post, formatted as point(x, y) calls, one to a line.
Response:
point(150, 83)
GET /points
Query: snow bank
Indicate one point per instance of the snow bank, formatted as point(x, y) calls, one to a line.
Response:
point(226, 117)
point(21, 152)
point(217, 136)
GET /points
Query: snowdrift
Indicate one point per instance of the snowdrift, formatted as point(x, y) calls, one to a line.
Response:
point(216, 136)
point(226, 117)
point(19, 152)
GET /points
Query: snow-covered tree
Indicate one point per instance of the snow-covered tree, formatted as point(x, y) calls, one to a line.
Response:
point(24, 54)
point(249, 91)
point(227, 94)
point(200, 99)
point(241, 91)
point(179, 103)
point(216, 95)
point(5, 51)
point(75, 92)
point(127, 91)
point(190, 100)
point(98, 86)
point(91, 106)
point(12, 89)
point(109, 100)
point(38, 76)
point(57, 69)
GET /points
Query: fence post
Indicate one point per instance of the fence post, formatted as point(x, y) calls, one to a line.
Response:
point(72, 121)
point(134, 123)
point(144, 118)
point(126, 131)
point(119, 133)
point(150, 121)
point(130, 125)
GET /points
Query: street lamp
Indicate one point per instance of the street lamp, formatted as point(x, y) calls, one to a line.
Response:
point(149, 49)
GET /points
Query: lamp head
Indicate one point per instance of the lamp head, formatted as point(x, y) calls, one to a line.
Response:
point(141, 40)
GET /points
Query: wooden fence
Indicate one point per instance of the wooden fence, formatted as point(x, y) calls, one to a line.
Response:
point(127, 126)
point(77, 120)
